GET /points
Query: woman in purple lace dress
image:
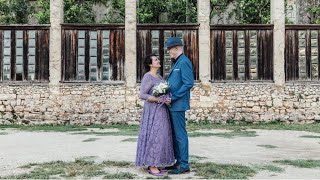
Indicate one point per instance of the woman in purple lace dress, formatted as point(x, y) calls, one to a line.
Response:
point(155, 146)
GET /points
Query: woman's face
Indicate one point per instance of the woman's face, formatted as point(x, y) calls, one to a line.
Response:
point(155, 62)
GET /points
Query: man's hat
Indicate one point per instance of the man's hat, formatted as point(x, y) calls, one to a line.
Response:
point(173, 41)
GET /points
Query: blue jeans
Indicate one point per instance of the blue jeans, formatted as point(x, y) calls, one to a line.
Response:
point(180, 138)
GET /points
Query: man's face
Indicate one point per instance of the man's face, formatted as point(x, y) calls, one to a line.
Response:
point(172, 52)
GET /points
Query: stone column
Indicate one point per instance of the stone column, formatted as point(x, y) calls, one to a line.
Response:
point(130, 42)
point(204, 52)
point(278, 19)
point(56, 18)
point(204, 42)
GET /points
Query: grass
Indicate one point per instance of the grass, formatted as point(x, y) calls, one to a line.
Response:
point(121, 132)
point(194, 158)
point(90, 139)
point(235, 133)
point(191, 126)
point(46, 128)
point(222, 171)
point(162, 177)
point(69, 128)
point(310, 136)
point(267, 146)
point(28, 166)
point(122, 164)
point(82, 167)
point(271, 168)
point(315, 127)
point(60, 168)
point(130, 140)
point(119, 175)
point(301, 163)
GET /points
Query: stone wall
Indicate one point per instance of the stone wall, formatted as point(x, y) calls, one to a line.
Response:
point(101, 104)
point(67, 104)
point(256, 102)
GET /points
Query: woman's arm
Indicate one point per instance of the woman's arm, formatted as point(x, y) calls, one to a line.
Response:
point(146, 85)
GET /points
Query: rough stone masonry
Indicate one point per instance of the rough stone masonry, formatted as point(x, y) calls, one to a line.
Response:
point(102, 103)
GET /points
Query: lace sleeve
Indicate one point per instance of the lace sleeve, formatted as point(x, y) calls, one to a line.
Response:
point(146, 85)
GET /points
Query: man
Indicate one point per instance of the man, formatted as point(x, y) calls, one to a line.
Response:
point(181, 80)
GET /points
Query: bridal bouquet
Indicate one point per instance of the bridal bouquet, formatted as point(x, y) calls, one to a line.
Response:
point(162, 90)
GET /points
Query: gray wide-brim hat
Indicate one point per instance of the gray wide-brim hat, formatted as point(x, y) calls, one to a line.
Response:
point(173, 41)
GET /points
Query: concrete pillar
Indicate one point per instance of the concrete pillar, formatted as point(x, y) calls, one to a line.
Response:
point(204, 41)
point(278, 19)
point(130, 42)
point(56, 18)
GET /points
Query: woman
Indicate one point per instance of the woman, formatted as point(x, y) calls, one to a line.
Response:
point(155, 146)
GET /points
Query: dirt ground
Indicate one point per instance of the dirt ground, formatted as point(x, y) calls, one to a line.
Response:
point(19, 148)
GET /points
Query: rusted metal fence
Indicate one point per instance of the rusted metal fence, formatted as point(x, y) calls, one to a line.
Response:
point(92, 53)
point(302, 55)
point(241, 53)
point(24, 53)
point(151, 38)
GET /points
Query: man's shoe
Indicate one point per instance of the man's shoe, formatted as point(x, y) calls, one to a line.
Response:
point(173, 167)
point(179, 171)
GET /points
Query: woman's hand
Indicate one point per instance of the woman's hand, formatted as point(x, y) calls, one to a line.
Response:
point(154, 99)
point(168, 101)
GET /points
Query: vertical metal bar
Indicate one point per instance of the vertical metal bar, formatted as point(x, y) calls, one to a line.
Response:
point(13, 55)
point(212, 53)
point(235, 55)
point(45, 55)
point(247, 55)
point(1, 54)
point(99, 55)
point(113, 61)
point(295, 53)
point(63, 55)
point(308, 55)
point(87, 55)
point(162, 51)
point(25, 55)
point(318, 54)
point(139, 69)
point(270, 54)
point(122, 53)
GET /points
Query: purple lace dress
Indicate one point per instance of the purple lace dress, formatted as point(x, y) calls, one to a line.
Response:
point(155, 146)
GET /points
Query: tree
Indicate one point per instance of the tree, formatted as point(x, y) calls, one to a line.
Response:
point(182, 11)
point(14, 11)
point(252, 11)
point(78, 12)
point(314, 11)
point(75, 11)
point(150, 11)
point(43, 15)
point(116, 13)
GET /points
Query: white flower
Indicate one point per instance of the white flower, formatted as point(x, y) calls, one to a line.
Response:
point(161, 89)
